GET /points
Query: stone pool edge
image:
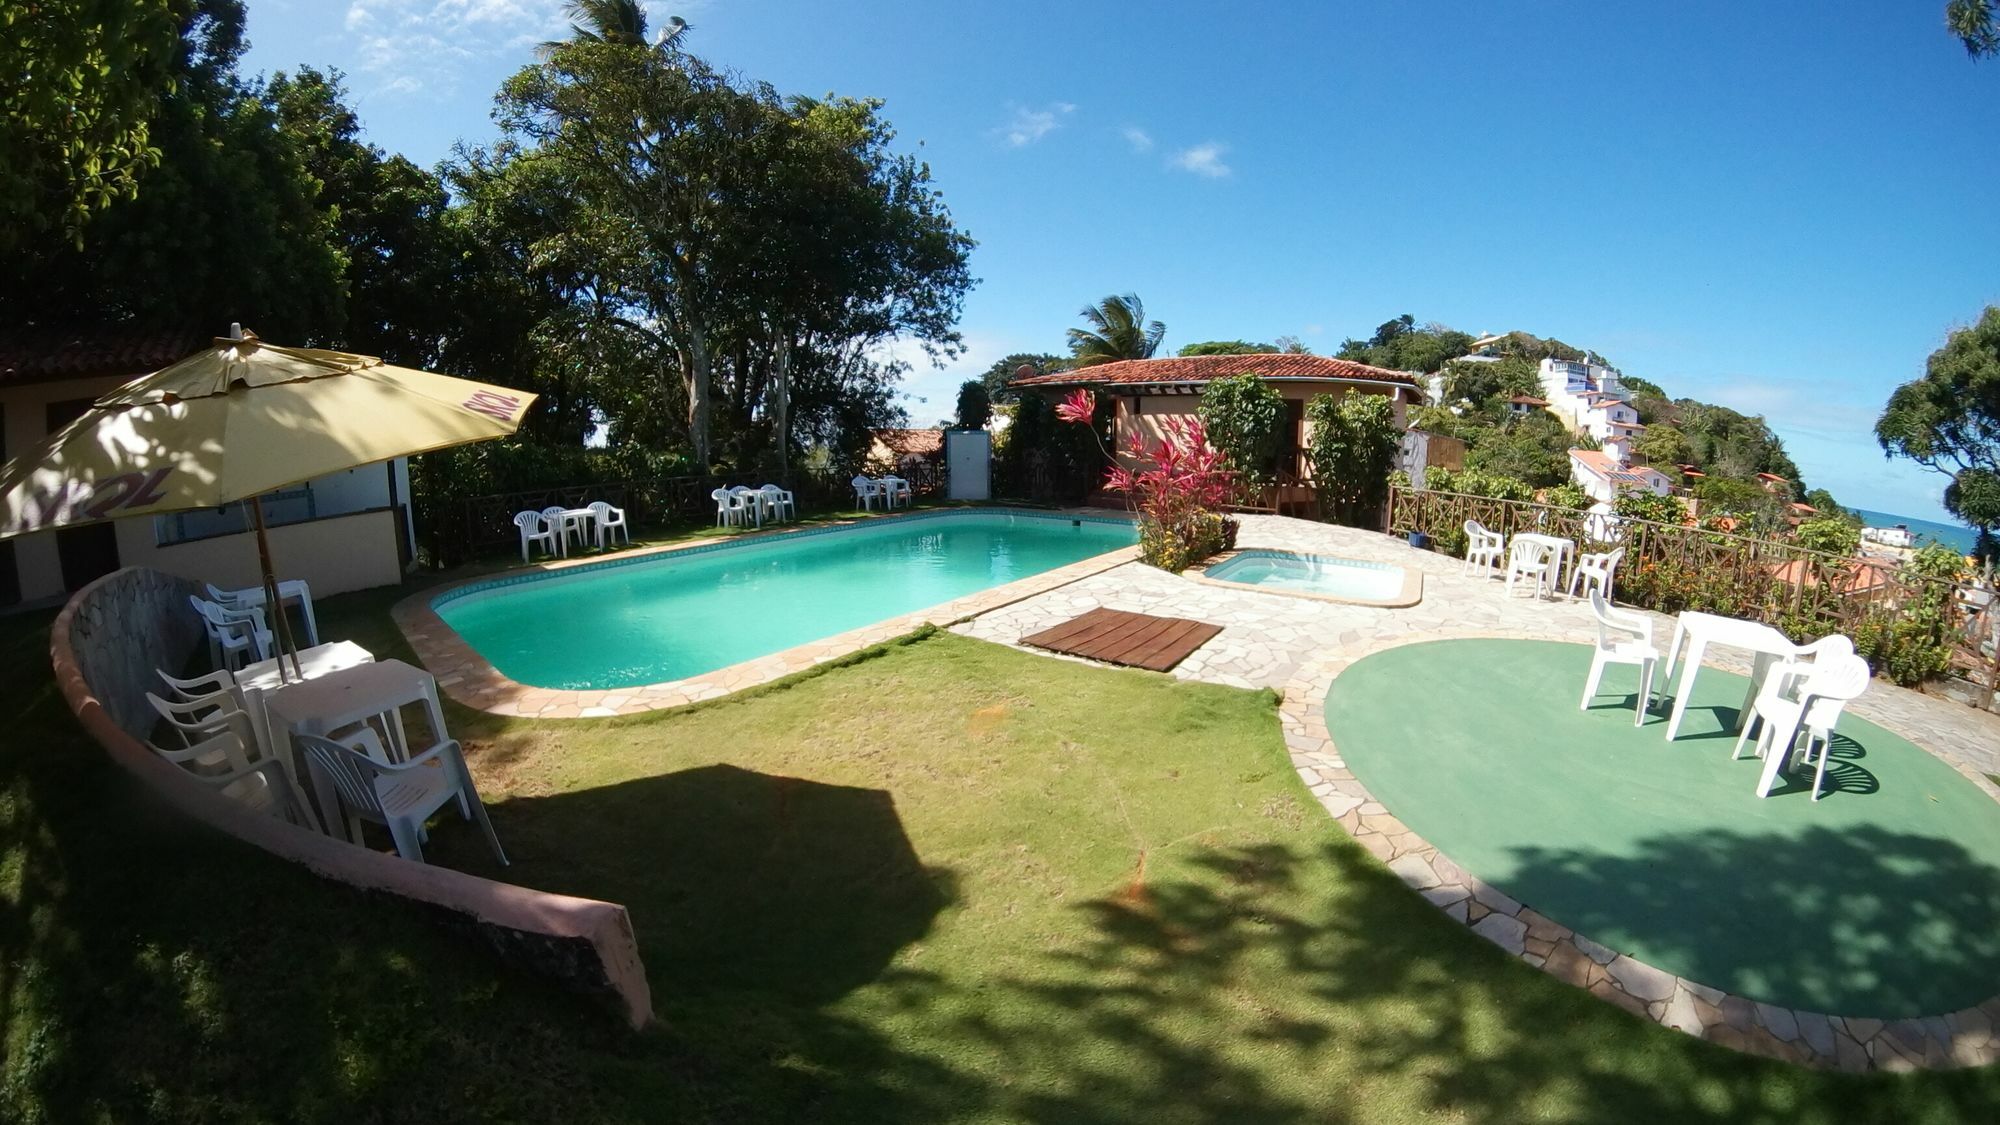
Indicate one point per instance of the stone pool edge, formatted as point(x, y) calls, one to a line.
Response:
point(1967, 1037)
point(1411, 593)
point(472, 680)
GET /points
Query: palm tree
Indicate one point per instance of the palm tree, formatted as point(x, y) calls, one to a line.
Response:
point(617, 21)
point(1118, 330)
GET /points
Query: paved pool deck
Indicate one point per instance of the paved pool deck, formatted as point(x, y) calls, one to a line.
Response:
point(1301, 648)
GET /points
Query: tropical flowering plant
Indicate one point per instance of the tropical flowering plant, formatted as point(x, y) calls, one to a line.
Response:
point(1177, 483)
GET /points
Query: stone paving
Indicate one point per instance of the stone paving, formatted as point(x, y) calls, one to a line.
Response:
point(1299, 646)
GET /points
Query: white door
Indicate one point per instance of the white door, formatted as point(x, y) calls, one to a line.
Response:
point(968, 456)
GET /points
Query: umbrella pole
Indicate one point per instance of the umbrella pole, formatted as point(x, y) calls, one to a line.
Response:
point(281, 628)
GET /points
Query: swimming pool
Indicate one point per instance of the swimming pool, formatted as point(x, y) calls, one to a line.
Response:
point(681, 613)
point(1324, 576)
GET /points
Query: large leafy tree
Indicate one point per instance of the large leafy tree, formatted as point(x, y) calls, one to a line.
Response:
point(1118, 329)
point(1245, 417)
point(84, 80)
point(1227, 347)
point(1354, 442)
point(227, 227)
point(1006, 367)
point(1403, 345)
point(1949, 422)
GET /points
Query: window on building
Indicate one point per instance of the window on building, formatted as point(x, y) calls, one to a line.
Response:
point(291, 505)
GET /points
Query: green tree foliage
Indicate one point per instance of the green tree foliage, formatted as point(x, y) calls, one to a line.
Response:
point(1829, 534)
point(1533, 448)
point(1949, 421)
point(1482, 383)
point(1665, 446)
point(1639, 504)
point(1003, 369)
point(1227, 347)
point(1822, 501)
point(1044, 459)
point(84, 80)
point(751, 248)
point(1118, 330)
point(974, 407)
point(1402, 345)
point(1745, 500)
point(1245, 417)
point(1731, 444)
point(1976, 23)
point(1354, 441)
point(1473, 482)
point(1568, 494)
point(227, 227)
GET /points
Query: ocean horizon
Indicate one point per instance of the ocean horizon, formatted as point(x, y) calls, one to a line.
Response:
point(1959, 538)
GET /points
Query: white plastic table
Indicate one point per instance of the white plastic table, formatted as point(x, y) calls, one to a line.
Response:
point(1700, 630)
point(291, 591)
point(256, 681)
point(1555, 545)
point(347, 696)
point(575, 519)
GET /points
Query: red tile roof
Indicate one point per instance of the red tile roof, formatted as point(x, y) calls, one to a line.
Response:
point(34, 355)
point(1203, 368)
point(1528, 400)
point(906, 443)
point(1597, 462)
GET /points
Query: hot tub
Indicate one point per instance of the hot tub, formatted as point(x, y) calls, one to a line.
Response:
point(1326, 577)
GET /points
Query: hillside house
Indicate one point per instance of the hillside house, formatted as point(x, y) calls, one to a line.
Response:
point(1604, 477)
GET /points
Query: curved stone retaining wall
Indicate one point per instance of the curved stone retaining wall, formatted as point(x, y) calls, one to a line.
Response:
point(105, 645)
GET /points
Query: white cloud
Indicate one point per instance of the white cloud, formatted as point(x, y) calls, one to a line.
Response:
point(1138, 138)
point(424, 46)
point(1031, 125)
point(1204, 159)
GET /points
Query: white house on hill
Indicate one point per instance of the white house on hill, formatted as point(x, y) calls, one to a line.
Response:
point(1604, 476)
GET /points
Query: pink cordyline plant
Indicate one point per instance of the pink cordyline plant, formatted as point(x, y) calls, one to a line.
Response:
point(1185, 478)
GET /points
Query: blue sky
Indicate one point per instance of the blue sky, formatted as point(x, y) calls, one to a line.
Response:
point(1778, 208)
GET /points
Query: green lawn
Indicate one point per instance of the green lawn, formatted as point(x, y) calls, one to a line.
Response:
point(948, 881)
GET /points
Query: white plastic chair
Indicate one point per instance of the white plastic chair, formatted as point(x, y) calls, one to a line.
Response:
point(1622, 638)
point(252, 598)
point(728, 509)
point(783, 504)
point(1483, 549)
point(1802, 699)
point(553, 517)
point(400, 797)
point(866, 492)
point(222, 679)
point(1595, 572)
point(196, 720)
point(221, 761)
point(233, 636)
point(533, 530)
point(895, 489)
point(751, 501)
point(609, 520)
point(1527, 560)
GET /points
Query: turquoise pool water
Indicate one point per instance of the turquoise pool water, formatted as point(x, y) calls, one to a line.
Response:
point(677, 615)
point(1312, 574)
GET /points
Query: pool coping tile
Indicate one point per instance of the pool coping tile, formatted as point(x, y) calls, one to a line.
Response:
point(472, 680)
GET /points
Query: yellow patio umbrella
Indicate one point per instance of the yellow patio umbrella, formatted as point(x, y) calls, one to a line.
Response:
point(238, 420)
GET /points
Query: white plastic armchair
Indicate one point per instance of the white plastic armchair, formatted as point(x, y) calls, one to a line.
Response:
point(866, 492)
point(609, 521)
point(533, 530)
point(1595, 572)
point(1483, 548)
point(783, 504)
point(221, 761)
point(1622, 638)
point(253, 598)
point(222, 679)
point(1530, 560)
point(895, 489)
point(1800, 698)
point(751, 500)
point(728, 510)
point(554, 518)
point(235, 638)
point(400, 797)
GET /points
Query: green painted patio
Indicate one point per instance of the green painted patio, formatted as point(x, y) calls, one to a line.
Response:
point(1881, 900)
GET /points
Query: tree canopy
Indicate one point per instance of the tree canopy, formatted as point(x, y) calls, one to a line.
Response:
point(1227, 347)
point(1949, 421)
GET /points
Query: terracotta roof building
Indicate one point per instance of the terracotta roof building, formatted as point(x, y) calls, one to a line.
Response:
point(40, 355)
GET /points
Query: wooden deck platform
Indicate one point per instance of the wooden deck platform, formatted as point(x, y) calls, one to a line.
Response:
point(1136, 640)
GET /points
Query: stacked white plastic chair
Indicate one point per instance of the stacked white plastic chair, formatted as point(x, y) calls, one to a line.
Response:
point(1622, 638)
point(534, 530)
point(1483, 549)
point(251, 599)
point(782, 502)
point(235, 637)
point(399, 796)
point(1802, 699)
